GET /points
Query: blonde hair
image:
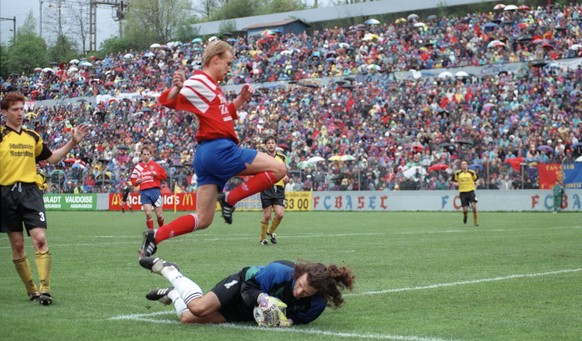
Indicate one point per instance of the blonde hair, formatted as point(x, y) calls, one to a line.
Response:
point(216, 48)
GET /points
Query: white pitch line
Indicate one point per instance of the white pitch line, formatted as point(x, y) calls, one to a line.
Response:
point(147, 317)
point(476, 281)
point(310, 331)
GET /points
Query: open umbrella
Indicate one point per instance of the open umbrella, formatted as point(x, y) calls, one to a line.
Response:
point(155, 46)
point(447, 145)
point(445, 74)
point(413, 16)
point(467, 142)
point(546, 148)
point(315, 159)
point(475, 166)
point(461, 74)
point(305, 165)
point(412, 170)
point(490, 26)
point(499, 7)
point(372, 22)
point(334, 158)
point(347, 158)
point(438, 167)
point(495, 43)
point(510, 8)
point(575, 47)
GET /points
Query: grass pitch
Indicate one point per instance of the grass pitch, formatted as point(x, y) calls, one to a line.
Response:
point(420, 276)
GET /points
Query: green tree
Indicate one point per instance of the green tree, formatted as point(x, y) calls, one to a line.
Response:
point(186, 31)
point(63, 50)
point(26, 51)
point(155, 21)
point(237, 9)
point(281, 6)
point(115, 45)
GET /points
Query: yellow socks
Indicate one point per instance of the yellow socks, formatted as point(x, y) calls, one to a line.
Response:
point(264, 226)
point(274, 225)
point(43, 265)
point(23, 268)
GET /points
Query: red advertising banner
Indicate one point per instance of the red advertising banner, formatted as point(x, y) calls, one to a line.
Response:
point(184, 201)
point(548, 174)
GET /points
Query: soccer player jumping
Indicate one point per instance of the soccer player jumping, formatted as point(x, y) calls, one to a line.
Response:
point(218, 156)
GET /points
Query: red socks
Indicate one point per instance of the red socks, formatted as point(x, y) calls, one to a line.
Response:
point(160, 221)
point(150, 224)
point(255, 184)
point(179, 226)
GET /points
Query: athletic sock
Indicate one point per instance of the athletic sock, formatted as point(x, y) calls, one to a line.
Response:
point(274, 225)
point(263, 234)
point(179, 226)
point(255, 184)
point(187, 289)
point(150, 224)
point(179, 304)
point(23, 268)
point(43, 266)
point(160, 221)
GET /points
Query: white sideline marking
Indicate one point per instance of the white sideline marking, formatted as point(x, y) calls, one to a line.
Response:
point(310, 331)
point(137, 239)
point(147, 317)
point(476, 281)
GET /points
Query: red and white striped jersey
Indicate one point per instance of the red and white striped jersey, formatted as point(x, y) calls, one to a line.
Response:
point(202, 96)
point(145, 172)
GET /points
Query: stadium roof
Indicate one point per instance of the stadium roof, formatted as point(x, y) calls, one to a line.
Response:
point(272, 24)
point(332, 13)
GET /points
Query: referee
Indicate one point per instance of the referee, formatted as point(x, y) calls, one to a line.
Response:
point(273, 197)
point(466, 179)
point(21, 200)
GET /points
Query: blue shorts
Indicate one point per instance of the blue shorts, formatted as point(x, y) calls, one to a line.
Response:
point(216, 161)
point(151, 196)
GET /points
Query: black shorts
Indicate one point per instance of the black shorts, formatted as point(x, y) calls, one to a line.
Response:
point(21, 203)
point(467, 198)
point(232, 306)
point(124, 198)
point(273, 196)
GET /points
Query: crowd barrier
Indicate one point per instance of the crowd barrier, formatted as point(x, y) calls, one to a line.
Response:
point(383, 201)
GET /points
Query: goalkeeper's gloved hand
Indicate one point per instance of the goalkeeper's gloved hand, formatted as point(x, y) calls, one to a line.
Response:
point(273, 310)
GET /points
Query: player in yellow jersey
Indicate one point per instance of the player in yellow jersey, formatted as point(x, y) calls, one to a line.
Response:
point(273, 198)
point(21, 200)
point(467, 179)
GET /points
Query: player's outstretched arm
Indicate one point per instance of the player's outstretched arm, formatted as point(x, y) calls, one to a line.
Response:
point(78, 135)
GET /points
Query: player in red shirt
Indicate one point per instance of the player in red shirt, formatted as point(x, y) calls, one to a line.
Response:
point(218, 156)
point(147, 175)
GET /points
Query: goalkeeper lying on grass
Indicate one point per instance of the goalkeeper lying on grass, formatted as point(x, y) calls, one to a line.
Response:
point(279, 294)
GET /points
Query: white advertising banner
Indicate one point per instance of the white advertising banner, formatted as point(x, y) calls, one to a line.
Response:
point(489, 200)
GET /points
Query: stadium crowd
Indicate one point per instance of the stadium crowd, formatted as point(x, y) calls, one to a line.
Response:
point(393, 134)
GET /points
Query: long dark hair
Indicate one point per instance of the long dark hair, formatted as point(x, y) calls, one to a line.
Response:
point(327, 280)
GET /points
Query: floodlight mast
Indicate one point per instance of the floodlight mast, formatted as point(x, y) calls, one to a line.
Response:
point(120, 7)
